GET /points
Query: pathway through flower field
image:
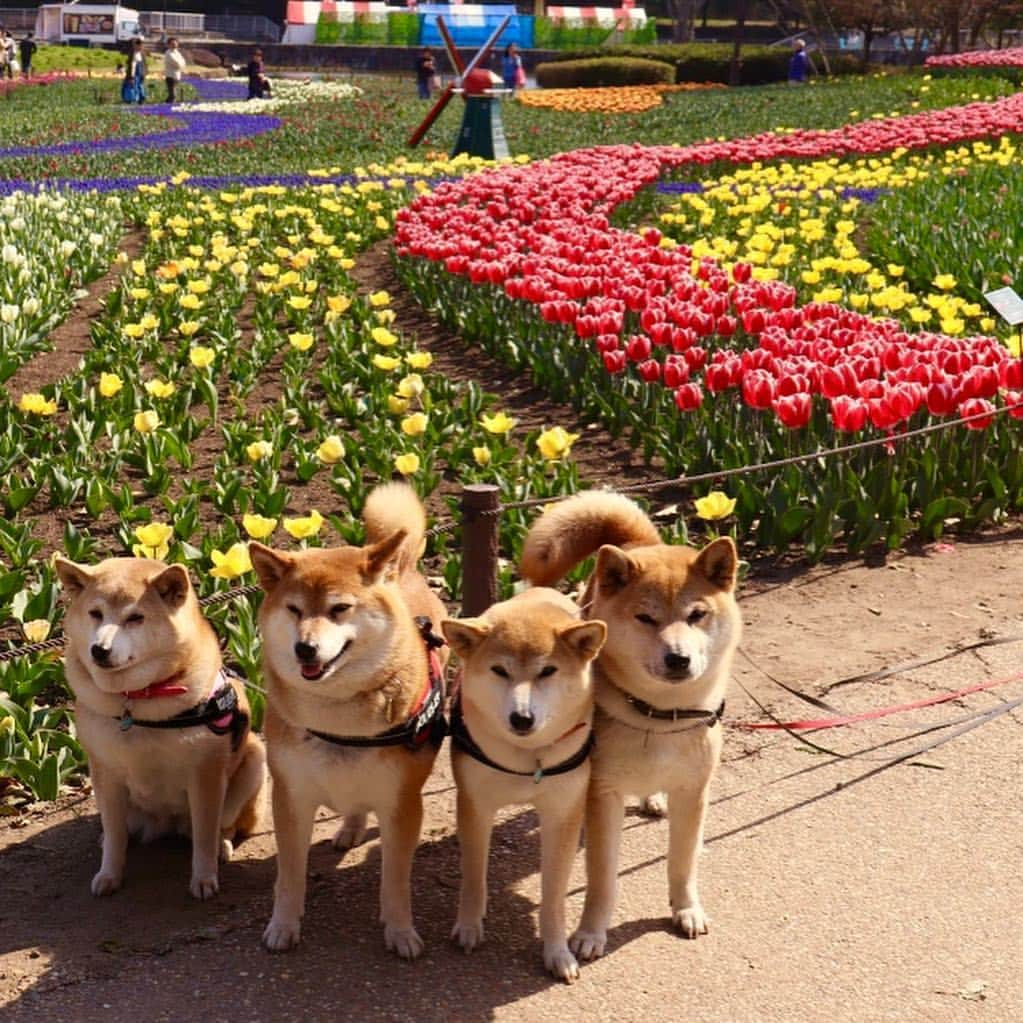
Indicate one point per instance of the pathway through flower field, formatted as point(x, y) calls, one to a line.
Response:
point(889, 899)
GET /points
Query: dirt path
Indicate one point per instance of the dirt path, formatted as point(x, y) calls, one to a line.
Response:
point(837, 893)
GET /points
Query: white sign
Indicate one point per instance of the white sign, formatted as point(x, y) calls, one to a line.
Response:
point(1007, 304)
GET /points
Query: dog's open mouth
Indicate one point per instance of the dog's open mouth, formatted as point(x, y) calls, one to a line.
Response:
point(314, 672)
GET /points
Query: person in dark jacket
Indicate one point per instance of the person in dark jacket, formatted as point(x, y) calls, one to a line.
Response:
point(259, 84)
point(28, 47)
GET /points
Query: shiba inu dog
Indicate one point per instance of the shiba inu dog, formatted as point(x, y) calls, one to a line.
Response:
point(521, 732)
point(354, 706)
point(672, 629)
point(165, 728)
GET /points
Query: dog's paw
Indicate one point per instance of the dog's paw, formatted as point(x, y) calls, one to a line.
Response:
point(588, 944)
point(559, 960)
point(655, 805)
point(351, 833)
point(226, 850)
point(105, 884)
point(468, 933)
point(204, 886)
point(280, 935)
point(403, 940)
point(691, 921)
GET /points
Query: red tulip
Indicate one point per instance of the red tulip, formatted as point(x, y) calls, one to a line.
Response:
point(758, 389)
point(676, 371)
point(848, 414)
point(975, 407)
point(614, 362)
point(650, 371)
point(688, 397)
point(942, 399)
point(794, 410)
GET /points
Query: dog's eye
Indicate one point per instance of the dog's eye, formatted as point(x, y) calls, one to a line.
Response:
point(96, 615)
point(336, 610)
point(696, 615)
point(499, 671)
point(645, 619)
point(547, 670)
point(296, 611)
point(134, 619)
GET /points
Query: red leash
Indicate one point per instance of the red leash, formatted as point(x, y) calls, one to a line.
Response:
point(870, 715)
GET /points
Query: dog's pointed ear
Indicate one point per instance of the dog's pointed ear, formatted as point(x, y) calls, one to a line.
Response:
point(719, 562)
point(380, 560)
point(270, 565)
point(74, 578)
point(585, 638)
point(464, 635)
point(615, 569)
point(173, 585)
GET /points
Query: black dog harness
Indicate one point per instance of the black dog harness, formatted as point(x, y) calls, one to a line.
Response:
point(426, 723)
point(462, 740)
point(221, 714)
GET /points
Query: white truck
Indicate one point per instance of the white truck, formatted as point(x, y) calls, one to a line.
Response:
point(87, 24)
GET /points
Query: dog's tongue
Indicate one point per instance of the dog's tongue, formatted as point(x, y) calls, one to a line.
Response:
point(312, 671)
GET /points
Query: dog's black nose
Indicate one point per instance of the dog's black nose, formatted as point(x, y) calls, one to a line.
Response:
point(676, 663)
point(305, 652)
point(100, 654)
point(522, 723)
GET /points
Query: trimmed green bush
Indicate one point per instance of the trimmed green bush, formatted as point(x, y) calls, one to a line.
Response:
point(712, 62)
point(402, 28)
point(576, 74)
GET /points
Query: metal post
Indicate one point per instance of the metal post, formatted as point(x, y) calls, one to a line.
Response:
point(481, 506)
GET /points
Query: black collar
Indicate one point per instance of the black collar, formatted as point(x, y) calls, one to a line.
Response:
point(708, 717)
point(220, 714)
point(462, 740)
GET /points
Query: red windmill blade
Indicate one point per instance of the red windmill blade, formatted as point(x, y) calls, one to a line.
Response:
point(461, 70)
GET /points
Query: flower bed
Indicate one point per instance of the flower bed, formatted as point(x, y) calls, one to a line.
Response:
point(715, 369)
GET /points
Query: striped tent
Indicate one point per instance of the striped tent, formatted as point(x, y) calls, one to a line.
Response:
point(629, 16)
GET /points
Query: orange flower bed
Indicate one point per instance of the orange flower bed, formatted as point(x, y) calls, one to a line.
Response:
point(624, 99)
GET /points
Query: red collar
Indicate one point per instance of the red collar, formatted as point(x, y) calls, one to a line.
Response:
point(168, 687)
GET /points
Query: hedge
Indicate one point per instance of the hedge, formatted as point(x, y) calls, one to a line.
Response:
point(574, 74)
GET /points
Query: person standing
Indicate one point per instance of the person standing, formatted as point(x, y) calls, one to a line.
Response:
point(10, 54)
point(511, 68)
point(137, 71)
point(426, 69)
point(799, 65)
point(28, 48)
point(173, 66)
point(259, 84)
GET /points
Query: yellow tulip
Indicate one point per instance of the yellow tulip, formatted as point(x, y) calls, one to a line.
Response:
point(338, 303)
point(378, 299)
point(386, 362)
point(716, 505)
point(258, 526)
point(201, 357)
point(159, 388)
point(414, 425)
point(146, 421)
point(303, 342)
point(154, 534)
point(199, 287)
point(190, 301)
point(944, 282)
point(396, 405)
point(109, 384)
point(36, 630)
point(231, 563)
point(303, 528)
point(411, 386)
point(499, 423)
point(419, 360)
point(133, 330)
point(407, 465)
point(299, 302)
point(555, 443)
point(383, 336)
point(482, 455)
point(258, 450)
point(331, 450)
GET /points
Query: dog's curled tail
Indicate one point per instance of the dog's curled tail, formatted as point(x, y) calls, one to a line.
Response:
point(391, 507)
point(573, 529)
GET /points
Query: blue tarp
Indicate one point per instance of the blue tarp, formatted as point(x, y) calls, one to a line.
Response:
point(472, 31)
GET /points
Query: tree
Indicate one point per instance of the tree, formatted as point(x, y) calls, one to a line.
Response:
point(683, 14)
point(871, 17)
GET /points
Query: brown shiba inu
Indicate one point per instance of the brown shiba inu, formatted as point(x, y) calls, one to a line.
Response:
point(660, 680)
point(353, 708)
point(165, 728)
point(521, 732)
